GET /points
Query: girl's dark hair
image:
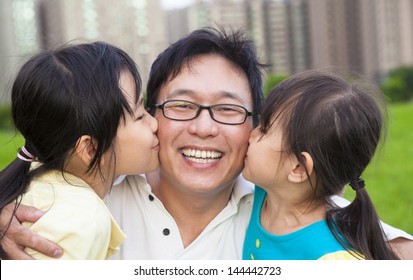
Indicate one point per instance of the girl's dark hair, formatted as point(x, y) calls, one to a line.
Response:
point(234, 46)
point(57, 97)
point(339, 124)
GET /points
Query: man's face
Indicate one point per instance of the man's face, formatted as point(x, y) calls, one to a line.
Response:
point(201, 155)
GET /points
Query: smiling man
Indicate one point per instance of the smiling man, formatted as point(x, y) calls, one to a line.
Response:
point(203, 91)
point(206, 93)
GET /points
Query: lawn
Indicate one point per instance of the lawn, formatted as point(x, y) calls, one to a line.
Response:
point(389, 177)
point(10, 141)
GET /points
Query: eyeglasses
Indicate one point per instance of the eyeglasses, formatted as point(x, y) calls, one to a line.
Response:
point(182, 110)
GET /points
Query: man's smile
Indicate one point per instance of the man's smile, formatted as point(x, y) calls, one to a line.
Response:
point(201, 156)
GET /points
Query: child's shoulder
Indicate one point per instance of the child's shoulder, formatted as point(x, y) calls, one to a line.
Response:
point(342, 255)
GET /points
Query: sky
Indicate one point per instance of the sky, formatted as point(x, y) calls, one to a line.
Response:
point(175, 4)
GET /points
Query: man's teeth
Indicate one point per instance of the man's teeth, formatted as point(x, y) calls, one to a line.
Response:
point(201, 156)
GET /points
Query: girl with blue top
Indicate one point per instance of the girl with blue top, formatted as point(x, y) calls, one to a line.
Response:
point(317, 134)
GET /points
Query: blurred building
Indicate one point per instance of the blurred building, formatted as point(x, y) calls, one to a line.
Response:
point(18, 33)
point(136, 26)
point(369, 37)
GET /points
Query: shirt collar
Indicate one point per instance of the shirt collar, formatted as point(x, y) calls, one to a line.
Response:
point(242, 188)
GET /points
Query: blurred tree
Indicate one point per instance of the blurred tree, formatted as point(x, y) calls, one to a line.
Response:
point(398, 85)
point(272, 80)
point(5, 117)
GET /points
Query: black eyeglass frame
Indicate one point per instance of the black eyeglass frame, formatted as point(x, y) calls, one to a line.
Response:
point(202, 107)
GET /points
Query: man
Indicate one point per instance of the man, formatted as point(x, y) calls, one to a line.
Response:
point(206, 92)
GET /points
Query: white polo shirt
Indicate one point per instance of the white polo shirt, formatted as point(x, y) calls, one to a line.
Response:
point(151, 232)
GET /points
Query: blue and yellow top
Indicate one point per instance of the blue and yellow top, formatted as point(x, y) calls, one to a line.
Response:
point(313, 242)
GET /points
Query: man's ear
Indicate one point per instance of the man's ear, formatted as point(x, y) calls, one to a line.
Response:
point(85, 149)
point(298, 173)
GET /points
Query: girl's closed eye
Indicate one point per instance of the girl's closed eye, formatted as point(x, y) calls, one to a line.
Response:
point(140, 117)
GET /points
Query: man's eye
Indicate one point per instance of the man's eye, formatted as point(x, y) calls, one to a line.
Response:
point(183, 106)
point(229, 110)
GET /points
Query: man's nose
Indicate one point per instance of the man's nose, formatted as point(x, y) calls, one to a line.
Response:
point(204, 125)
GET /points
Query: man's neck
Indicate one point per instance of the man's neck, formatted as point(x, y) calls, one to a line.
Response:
point(192, 211)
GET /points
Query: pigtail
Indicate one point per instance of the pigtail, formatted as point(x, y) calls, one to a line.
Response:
point(357, 227)
point(14, 180)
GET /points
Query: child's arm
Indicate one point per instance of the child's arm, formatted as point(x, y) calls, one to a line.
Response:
point(79, 222)
point(80, 239)
point(18, 236)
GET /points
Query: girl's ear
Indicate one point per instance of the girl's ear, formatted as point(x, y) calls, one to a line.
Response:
point(85, 149)
point(298, 173)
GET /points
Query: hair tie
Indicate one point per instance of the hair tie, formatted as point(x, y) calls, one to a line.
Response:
point(357, 184)
point(26, 156)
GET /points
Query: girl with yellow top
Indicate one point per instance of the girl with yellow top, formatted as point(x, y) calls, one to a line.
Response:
point(80, 111)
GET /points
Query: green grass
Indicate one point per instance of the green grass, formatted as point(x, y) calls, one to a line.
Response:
point(389, 178)
point(10, 141)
